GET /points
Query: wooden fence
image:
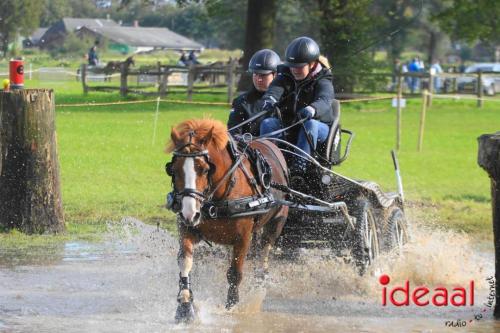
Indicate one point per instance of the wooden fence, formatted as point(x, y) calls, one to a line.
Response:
point(199, 78)
point(450, 83)
point(206, 78)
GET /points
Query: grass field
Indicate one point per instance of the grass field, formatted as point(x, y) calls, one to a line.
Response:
point(110, 166)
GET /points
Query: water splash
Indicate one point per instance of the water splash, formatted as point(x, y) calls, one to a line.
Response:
point(132, 285)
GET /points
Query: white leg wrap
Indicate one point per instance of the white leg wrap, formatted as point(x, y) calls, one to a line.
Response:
point(185, 265)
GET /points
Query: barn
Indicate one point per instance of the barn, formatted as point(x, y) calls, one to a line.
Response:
point(124, 39)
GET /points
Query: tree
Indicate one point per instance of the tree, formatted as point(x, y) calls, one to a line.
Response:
point(86, 9)
point(471, 21)
point(53, 11)
point(395, 15)
point(436, 37)
point(259, 32)
point(17, 16)
point(346, 28)
point(211, 22)
point(228, 32)
point(296, 18)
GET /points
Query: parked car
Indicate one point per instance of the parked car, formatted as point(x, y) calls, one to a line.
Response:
point(491, 83)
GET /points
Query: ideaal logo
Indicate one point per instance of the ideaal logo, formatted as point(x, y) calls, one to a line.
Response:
point(423, 296)
point(440, 296)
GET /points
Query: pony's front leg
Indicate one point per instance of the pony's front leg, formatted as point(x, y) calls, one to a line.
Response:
point(235, 271)
point(185, 310)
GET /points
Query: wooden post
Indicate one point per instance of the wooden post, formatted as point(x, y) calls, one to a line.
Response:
point(123, 79)
point(191, 76)
point(30, 194)
point(398, 114)
point(230, 80)
point(425, 97)
point(479, 89)
point(83, 72)
point(164, 82)
point(159, 77)
point(431, 90)
point(489, 159)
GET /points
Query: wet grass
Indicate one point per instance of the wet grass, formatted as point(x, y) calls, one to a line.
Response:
point(89, 231)
point(111, 167)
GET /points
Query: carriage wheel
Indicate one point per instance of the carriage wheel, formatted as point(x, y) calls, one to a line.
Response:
point(366, 247)
point(396, 231)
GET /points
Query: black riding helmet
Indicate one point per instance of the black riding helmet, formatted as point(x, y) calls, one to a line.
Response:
point(264, 62)
point(301, 51)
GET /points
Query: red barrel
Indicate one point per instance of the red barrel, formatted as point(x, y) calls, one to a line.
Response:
point(16, 74)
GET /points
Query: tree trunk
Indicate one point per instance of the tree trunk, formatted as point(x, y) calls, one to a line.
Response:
point(436, 39)
point(259, 33)
point(433, 41)
point(489, 159)
point(30, 196)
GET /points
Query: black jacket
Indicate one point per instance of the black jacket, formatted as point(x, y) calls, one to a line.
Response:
point(316, 92)
point(244, 107)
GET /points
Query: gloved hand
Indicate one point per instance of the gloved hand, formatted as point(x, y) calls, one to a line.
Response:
point(307, 112)
point(268, 105)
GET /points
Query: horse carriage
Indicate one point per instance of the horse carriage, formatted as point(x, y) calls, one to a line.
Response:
point(226, 189)
point(352, 217)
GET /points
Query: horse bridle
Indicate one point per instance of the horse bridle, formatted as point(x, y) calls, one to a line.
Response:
point(174, 198)
point(221, 207)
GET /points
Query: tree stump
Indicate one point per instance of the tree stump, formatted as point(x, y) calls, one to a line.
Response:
point(489, 159)
point(30, 196)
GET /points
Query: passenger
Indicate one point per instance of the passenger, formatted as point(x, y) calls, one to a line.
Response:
point(304, 89)
point(263, 66)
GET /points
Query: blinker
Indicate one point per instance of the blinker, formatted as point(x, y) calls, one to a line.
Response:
point(168, 169)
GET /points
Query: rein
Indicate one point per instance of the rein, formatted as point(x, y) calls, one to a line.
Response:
point(281, 130)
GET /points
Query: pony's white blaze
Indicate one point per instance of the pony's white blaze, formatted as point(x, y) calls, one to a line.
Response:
point(189, 203)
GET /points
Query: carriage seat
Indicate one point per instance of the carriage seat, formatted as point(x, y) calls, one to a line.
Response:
point(330, 149)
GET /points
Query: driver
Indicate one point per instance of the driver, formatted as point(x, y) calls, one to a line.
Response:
point(304, 89)
point(263, 66)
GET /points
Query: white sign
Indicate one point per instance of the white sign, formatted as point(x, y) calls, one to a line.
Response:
point(402, 102)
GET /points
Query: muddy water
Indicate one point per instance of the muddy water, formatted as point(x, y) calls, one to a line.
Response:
point(129, 284)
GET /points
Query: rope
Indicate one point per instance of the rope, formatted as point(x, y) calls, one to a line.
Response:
point(178, 101)
point(456, 97)
point(367, 99)
point(142, 102)
point(95, 76)
point(108, 103)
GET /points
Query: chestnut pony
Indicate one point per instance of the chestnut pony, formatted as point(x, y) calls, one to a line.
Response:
point(204, 170)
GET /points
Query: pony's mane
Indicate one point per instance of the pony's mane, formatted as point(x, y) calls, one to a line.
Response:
point(201, 127)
